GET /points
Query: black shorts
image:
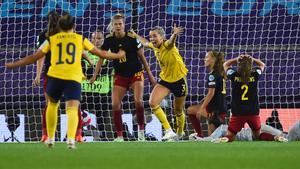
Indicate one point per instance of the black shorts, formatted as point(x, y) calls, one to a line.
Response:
point(58, 87)
point(178, 88)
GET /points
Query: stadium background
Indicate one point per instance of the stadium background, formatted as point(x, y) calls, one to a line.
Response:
point(267, 30)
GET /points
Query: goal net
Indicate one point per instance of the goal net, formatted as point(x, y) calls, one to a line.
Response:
point(268, 30)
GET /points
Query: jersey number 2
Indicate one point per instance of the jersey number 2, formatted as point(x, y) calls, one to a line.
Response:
point(245, 88)
point(70, 50)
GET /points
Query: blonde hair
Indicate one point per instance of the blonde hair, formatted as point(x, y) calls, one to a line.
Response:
point(115, 17)
point(160, 31)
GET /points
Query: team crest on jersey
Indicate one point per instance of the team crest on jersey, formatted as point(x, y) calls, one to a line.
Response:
point(211, 77)
point(258, 71)
point(230, 72)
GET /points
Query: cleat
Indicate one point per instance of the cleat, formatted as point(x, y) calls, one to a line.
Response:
point(280, 139)
point(79, 139)
point(119, 139)
point(192, 137)
point(44, 138)
point(50, 143)
point(195, 137)
point(178, 137)
point(141, 135)
point(170, 136)
point(220, 140)
point(71, 144)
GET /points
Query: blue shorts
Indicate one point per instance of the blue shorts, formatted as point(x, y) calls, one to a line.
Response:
point(71, 90)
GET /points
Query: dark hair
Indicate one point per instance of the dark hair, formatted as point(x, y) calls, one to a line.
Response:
point(244, 69)
point(274, 113)
point(219, 61)
point(66, 22)
point(52, 27)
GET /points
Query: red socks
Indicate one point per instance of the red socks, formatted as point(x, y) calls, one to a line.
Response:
point(117, 115)
point(196, 124)
point(44, 128)
point(140, 117)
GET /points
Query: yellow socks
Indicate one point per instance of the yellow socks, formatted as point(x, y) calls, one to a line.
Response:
point(180, 122)
point(51, 119)
point(159, 113)
point(72, 113)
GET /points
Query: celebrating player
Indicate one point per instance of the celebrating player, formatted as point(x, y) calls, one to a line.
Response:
point(213, 107)
point(173, 78)
point(129, 73)
point(64, 74)
point(51, 30)
point(244, 103)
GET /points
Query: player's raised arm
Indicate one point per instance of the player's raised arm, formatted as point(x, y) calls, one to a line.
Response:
point(102, 53)
point(229, 63)
point(259, 63)
point(176, 31)
point(45, 47)
point(144, 41)
point(26, 60)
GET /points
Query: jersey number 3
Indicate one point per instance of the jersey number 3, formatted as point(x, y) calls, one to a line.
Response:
point(70, 50)
point(245, 88)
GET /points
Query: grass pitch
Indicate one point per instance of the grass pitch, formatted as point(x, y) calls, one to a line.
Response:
point(152, 155)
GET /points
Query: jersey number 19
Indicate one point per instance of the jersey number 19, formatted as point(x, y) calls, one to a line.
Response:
point(70, 50)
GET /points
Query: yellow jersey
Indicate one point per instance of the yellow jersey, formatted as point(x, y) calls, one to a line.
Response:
point(66, 52)
point(170, 62)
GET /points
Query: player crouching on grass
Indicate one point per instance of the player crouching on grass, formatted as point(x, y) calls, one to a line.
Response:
point(65, 73)
point(213, 106)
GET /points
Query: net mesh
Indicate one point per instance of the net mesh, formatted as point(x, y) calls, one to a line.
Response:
point(268, 30)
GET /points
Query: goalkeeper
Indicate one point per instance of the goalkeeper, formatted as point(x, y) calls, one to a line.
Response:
point(245, 134)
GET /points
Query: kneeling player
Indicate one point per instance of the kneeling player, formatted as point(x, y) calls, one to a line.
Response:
point(213, 106)
point(244, 96)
